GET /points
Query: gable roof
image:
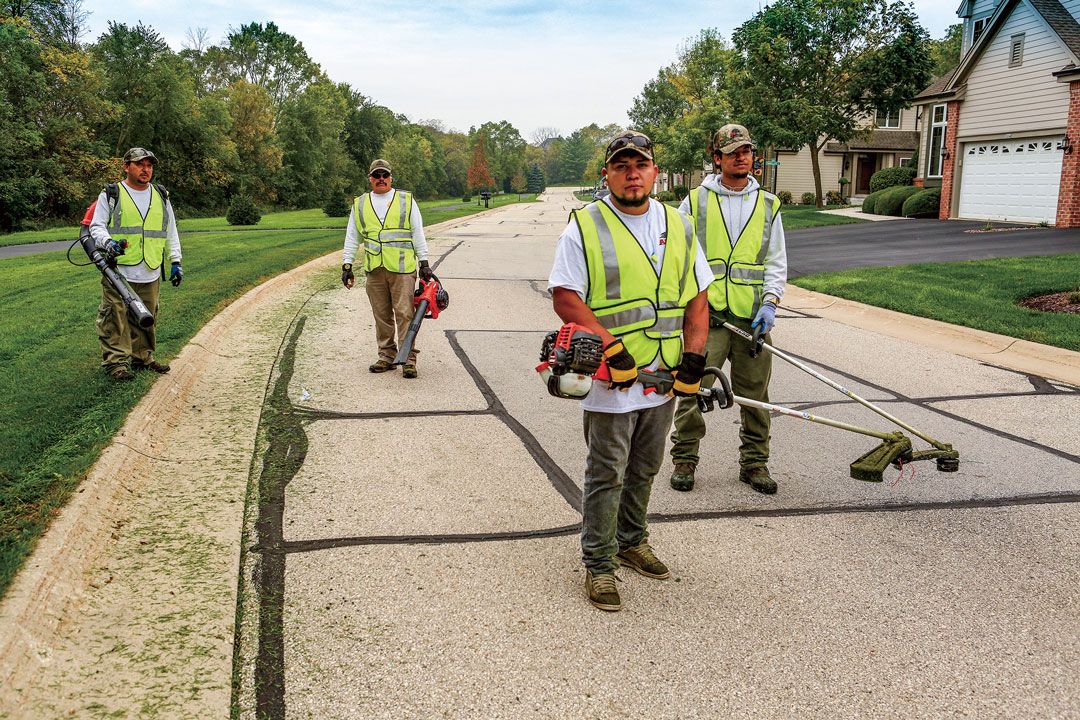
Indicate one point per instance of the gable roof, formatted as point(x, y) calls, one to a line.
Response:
point(936, 88)
point(1060, 21)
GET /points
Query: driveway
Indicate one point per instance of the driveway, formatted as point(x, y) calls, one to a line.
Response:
point(901, 242)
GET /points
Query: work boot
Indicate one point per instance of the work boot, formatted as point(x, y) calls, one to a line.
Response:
point(602, 591)
point(683, 477)
point(408, 370)
point(643, 559)
point(121, 373)
point(152, 365)
point(381, 365)
point(759, 479)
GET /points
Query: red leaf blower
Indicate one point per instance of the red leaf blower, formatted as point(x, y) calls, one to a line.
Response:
point(429, 300)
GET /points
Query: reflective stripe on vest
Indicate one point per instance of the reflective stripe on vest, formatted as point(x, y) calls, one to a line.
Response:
point(627, 295)
point(739, 270)
point(145, 236)
point(387, 242)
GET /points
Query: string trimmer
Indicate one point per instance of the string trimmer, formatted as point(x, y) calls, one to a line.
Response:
point(948, 459)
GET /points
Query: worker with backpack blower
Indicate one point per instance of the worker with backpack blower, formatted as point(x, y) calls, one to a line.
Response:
point(133, 226)
point(628, 269)
point(738, 224)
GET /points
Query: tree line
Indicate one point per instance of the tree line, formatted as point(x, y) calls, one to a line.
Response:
point(252, 117)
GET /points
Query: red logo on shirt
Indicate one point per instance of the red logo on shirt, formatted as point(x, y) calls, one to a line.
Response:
point(663, 239)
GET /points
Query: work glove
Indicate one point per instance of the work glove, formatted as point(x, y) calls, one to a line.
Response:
point(177, 274)
point(347, 277)
point(688, 374)
point(621, 366)
point(425, 271)
point(765, 318)
point(111, 249)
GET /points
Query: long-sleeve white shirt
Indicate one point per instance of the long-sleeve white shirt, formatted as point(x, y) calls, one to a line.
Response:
point(99, 230)
point(380, 202)
point(737, 207)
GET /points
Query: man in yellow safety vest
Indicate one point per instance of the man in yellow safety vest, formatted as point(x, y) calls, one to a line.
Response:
point(629, 269)
point(738, 224)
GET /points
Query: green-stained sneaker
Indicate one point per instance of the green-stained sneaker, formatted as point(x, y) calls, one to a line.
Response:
point(759, 479)
point(643, 559)
point(381, 365)
point(408, 370)
point(683, 477)
point(602, 591)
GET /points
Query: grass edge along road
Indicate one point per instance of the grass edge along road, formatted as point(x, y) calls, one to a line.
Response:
point(59, 410)
point(980, 294)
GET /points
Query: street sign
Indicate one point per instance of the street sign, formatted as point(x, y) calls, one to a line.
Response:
point(774, 163)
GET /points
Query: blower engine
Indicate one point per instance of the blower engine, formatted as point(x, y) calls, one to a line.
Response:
point(569, 358)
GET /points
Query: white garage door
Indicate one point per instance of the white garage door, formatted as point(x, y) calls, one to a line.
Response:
point(1011, 179)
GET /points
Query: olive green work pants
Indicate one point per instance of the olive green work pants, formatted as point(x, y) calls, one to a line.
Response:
point(123, 341)
point(749, 378)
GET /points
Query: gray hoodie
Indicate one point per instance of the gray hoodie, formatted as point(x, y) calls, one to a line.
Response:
point(736, 207)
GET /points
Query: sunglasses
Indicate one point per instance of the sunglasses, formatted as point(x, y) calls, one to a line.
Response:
point(380, 174)
point(625, 141)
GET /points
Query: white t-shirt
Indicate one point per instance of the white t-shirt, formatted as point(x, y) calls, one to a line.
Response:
point(141, 273)
point(380, 202)
point(570, 271)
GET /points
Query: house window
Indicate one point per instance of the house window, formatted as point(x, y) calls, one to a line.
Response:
point(1016, 50)
point(977, 28)
point(888, 119)
point(937, 140)
point(905, 162)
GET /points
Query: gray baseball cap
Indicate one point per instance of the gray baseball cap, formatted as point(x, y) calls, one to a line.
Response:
point(136, 154)
point(730, 138)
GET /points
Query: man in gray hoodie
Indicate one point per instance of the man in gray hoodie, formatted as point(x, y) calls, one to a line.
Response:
point(738, 225)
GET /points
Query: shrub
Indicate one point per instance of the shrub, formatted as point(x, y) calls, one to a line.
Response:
point(891, 177)
point(466, 197)
point(665, 196)
point(923, 204)
point(891, 200)
point(869, 203)
point(680, 192)
point(785, 197)
point(243, 211)
point(834, 198)
point(809, 198)
point(337, 206)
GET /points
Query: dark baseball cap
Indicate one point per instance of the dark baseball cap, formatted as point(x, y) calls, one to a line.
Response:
point(136, 154)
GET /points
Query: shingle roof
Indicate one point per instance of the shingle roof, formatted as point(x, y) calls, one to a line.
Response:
point(888, 140)
point(937, 85)
point(1061, 21)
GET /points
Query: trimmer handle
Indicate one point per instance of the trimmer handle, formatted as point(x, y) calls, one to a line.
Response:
point(721, 397)
point(757, 340)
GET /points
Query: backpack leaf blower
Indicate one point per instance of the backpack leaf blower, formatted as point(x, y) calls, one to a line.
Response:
point(140, 315)
point(428, 301)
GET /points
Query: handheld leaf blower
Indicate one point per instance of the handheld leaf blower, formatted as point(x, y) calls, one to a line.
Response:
point(428, 301)
point(134, 304)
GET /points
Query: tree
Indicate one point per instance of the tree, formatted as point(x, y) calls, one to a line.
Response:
point(505, 149)
point(518, 183)
point(310, 131)
point(258, 154)
point(263, 55)
point(479, 177)
point(535, 181)
point(946, 52)
point(575, 155)
point(542, 134)
point(812, 71)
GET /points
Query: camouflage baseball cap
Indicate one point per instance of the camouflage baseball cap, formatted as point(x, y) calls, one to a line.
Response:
point(379, 164)
point(730, 138)
point(630, 140)
point(136, 154)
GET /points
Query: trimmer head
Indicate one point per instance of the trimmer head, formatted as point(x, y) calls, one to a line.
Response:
point(871, 466)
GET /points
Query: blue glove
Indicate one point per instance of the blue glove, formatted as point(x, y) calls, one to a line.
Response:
point(766, 318)
point(176, 275)
point(110, 249)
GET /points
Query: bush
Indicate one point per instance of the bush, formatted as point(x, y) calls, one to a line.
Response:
point(665, 196)
point(923, 204)
point(679, 192)
point(243, 211)
point(785, 197)
point(869, 203)
point(891, 200)
point(891, 177)
point(834, 198)
point(466, 198)
point(809, 198)
point(337, 206)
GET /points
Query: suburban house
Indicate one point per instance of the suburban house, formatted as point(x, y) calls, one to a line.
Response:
point(998, 133)
point(891, 140)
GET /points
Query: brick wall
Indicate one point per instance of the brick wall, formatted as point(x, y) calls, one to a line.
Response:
point(1068, 211)
point(952, 116)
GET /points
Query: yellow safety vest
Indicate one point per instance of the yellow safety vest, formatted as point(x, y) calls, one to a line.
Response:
point(387, 242)
point(627, 295)
point(739, 269)
point(145, 236)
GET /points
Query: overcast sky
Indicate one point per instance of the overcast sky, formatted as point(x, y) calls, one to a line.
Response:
point(560, 63)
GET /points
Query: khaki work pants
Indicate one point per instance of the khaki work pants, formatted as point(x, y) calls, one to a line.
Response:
point(749, 378)
point(123, 341)
point(391, 296)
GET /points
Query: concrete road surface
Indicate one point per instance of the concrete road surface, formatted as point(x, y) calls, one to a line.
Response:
point(411, 546)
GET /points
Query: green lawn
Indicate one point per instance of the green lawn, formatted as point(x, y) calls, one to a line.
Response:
point(806, 216)
point(434, 211)
point(59, 410)
point(979, 294)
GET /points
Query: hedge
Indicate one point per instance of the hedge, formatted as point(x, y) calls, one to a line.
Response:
point(869, 203)
point(891, 201)
point(923, 204)
point(891, 177)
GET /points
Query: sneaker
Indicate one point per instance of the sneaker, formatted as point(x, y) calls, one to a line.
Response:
point(644, 560)
point(152, 365)
point(121, 373)
point(683, 477)
point(602, 591)
point(408, 371)
point(759, 479)
point(381, 365)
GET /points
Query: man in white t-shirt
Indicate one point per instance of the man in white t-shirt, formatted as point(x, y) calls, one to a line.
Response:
point(134, 226)
point(629, 269)
point(388, 223)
